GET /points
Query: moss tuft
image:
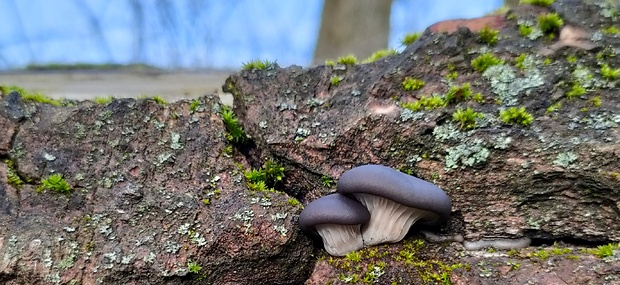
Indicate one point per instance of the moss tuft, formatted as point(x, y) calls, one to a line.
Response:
point(488, 35)
point(258, 64)
point(347, 60)
point(425, 103)
point(380, 54)
point(410, 38)
point(610, 73)
point(550, 23)
point(55, 183)
point(484, 61)
point(466, 118)
point(543, 3)
point(516, 116)
point(235, 134)
point(412, 84)
point(103, 100)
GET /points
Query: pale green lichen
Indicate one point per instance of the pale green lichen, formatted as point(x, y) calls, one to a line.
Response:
point(467, 155)
point(507, 86)
point(448, 131)
point(565, 159)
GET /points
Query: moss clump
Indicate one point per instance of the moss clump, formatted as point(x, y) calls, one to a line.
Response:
point(458, 93)
point(335, 80)
point(103, 100)
point(550, 23)
point(484, 61)
point(603, 251)
point(554, 107)
point(347, 60)
point(576, 91)
point(412, 84)
point(410, 38)
point(193, 107)
point(525, 30)
point(235, 133)
point(55, 183)
point(258, 64)
point(193, 267)
point(425, 103)
point(30, 96)
point(270, 174)
point(11, 175)
point(380, 54)
point(543, 3)
point(612, 30)
point(158, 99)
point(488, 36)
point(516, 116)
point(609, 73)
point(466, 118)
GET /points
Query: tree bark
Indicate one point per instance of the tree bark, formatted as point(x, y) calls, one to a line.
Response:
point(358, 27)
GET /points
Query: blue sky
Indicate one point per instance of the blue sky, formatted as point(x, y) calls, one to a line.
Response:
point(188, 33)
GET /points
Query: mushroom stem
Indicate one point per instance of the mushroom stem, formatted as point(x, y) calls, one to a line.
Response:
point(339, 240)
point(389, 220)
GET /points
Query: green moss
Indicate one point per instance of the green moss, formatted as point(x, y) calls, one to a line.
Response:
point(603, 251)
point(193, 107)
point(609, 73)
point(335, 80)
point(466, 118)
point(410, 38)
point(235, 134)
point(488, 35)
point(193, 267)
point(347, 60)
point(519, 61)
point(554, 107)
point(327, 181)
point(55, 183)
point(258, 64)
point(380, 54)
point(525, 30)
point(267, 176)
point(330, 62)
point(516, 116)
point(576, 91)
point(293, 202)
point(612, 30)
point(103, 100)
point(596, 101)
point(458, 93)
point(550, 23)
point(160, 100)
point(484, 61)
point(40, 98)
point(11, 174)
point(412, 84)
point(543, 3)
point(425, 103)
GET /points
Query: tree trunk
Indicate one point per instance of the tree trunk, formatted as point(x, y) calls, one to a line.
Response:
point(358, 27)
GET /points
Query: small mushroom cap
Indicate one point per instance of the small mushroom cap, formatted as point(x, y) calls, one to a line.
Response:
point(399, 187)
point(332, 209)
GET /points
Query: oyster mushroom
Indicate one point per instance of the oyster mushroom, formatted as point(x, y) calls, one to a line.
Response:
point(395, 201)
point(337, 219)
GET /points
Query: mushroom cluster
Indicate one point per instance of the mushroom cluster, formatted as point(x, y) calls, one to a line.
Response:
point(375, 204)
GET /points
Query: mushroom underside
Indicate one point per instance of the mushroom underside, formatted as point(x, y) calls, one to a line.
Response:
point(339, 240)
point(389, 220)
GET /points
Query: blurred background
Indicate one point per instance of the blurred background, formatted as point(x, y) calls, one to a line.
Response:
point(202, 39)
